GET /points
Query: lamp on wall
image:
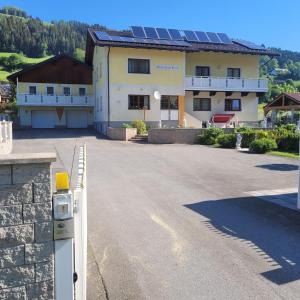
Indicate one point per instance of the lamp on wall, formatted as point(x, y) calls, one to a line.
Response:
point(157, 96)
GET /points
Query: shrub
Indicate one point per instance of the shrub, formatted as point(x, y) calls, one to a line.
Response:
point(227, 140)
point(209, 137)
point(288, 142)
point(125, 125)
point(140, 126)
point(248, 136)
point(262, 145)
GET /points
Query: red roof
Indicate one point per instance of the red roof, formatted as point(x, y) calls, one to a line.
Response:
point(295, 96)
point(222, 118)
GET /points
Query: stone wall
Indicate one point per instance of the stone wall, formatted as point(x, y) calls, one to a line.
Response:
point(121, 134)
point(26, 227)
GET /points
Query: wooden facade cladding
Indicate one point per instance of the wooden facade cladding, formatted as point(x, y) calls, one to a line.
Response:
point(60, 69)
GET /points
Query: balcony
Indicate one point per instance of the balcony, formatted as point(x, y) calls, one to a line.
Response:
point(224, 84)
point(54, 100)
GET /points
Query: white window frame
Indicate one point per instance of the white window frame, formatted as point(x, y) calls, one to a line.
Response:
point(32, 85)
point(85, 89)
point(50, 85)
point(66, 86)
point(139, 74)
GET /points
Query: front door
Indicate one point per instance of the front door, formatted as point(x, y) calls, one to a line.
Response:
point(169, 108)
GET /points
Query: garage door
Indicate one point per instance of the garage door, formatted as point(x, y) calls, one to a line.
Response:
point(77, 119)
point(43, 119)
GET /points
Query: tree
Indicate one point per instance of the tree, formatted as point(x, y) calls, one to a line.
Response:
point(79, 54)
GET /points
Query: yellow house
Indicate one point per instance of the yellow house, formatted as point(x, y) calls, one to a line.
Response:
point(173, 78)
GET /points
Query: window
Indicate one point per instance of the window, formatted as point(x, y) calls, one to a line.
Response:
point(66, 91)
point(50, 90)
point(138, 102)
point(32, 90)
point(82, 91)
point(234, 72)
point(169, 102)
point(233, 105)
point(202, 71)
point(202, 104)
point(139, 66)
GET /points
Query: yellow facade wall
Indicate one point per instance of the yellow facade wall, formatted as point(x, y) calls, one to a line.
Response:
point(158, 75)
point(23, 88)
point(219, 62)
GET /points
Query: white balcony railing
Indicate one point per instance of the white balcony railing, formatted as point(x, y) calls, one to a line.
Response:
point(226, 84)
point(54, 100)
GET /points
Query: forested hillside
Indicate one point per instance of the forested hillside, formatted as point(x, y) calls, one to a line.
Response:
point(27, 37)
point(35, 38)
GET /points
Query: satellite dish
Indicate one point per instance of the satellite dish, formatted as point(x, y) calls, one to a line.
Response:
point(157, 95)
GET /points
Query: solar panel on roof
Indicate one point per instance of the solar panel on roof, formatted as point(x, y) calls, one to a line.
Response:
point(150, 33)
point(249, 45)
point(102, 35)
point(175, 34)
point(224, 38)
point(138, 31)
point(190, 36)
point(202, 37)
point(124, 39)
point(163, 33)
point(213, 37)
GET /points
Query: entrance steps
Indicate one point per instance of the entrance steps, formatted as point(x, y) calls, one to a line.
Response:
point(140, 138)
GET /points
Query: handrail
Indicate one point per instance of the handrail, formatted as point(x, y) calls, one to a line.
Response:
point(216, 77)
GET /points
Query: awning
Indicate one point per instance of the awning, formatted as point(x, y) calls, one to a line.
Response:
point(222, 118)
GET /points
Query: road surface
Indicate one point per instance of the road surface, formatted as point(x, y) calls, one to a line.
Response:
point(176, 222)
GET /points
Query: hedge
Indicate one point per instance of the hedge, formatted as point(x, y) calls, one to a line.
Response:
point(227, 140)
point(210, 136)
point(262, 145)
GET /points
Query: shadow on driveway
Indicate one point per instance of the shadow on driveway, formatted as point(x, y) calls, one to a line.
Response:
point(272, 231)
point(22, 134)
point(279, 167)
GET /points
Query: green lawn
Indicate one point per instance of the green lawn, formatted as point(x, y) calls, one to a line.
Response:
point(26, 60)
point(297, 83)
point(284, 154)
point(3, 75)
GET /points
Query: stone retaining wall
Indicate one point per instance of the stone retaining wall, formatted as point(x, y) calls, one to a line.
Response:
point(121, 134)
point(26, 227)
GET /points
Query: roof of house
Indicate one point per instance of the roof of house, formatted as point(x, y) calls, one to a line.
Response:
point(284, 101)
point(234, 47)
point(57, 69)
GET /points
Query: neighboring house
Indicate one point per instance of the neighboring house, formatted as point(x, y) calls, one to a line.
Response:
point(199, 75)
point(57, 92)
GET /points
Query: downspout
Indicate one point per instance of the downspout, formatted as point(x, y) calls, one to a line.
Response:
point(108, 92)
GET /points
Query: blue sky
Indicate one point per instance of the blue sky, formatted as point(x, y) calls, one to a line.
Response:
point(274, 23)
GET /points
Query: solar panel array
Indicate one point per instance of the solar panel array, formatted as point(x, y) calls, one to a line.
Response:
point(104, 36)
point(180, 35)
point(249, 45)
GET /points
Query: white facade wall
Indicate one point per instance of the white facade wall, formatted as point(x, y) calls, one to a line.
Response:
point(249, 112)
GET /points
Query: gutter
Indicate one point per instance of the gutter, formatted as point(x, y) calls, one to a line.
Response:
point(108, 92)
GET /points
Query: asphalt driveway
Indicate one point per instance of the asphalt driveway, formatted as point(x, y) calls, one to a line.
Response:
point(177, 221)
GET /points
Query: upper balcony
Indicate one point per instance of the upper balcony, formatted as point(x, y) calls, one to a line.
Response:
point(54, 100)
point(226, 84)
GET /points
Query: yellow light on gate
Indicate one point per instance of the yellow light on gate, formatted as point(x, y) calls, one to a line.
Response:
point(62, 181)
